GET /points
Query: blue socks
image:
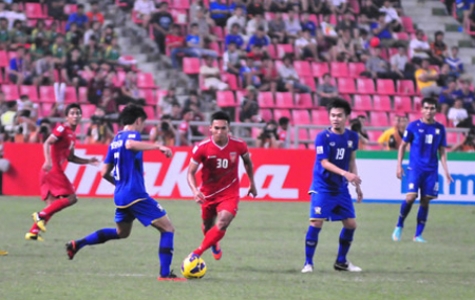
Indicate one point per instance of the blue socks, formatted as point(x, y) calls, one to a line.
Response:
point(311, 241)
point(165, 253)
point(346, 237)
point(421, 219)
point(101, 236)
point(405, 209)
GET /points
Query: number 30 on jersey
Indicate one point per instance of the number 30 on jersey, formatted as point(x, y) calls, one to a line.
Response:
point(222, 163)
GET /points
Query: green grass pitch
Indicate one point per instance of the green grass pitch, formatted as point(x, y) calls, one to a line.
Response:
point(262, 258)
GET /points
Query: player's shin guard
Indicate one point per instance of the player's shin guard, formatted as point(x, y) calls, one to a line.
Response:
point(346, 237)
point(213, 236)
point(421, 219)
point(98, 237)
point(311, 242)
point(404, 212)
point(54, 207)
point(165, 253)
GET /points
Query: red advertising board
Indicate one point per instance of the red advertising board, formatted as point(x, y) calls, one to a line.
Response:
point(279, 174)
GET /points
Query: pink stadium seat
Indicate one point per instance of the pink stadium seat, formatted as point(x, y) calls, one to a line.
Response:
point(302, 135)
point(407, 24)
point(381, 103)
point(318, 69)
point(180, 16)
point(279, 113)
point(30, 91)
point(319, 117)
point(88, 110)
point(145, 81)
point(453, 138)
point(82, 91)
point(417, 103)
point(385, 87)
point(374, 135)
point(10, 91)
point(303, 68)
point(70, 95)
point(402, 104)
point(4, 62)
point(346, 86)
point(265, 100)
point(365, 86)
point(414, 116)
point(150, 111)
point(191, 65)
point(403, 36)
point(363, 102)
point(313, 132)
point(231, 80)
point(70, 8)
point(47, 94)
point(284, 100)
point(283, 49)
point(34, 11)
point(379, 118)
point(301, 116)
point(266, 114)
point(147, 94)
point(310, 82)
point(355, 69)
point(441, 118)
point(215, 46)
point(218, 32)
point(339, 69)
point(180, 4)
point(304, 101)
point(46, 109)
point(272, 52)
point(225, 99)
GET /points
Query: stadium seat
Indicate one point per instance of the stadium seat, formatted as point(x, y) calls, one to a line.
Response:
point(279, 113)
point(313, 132)
point(284, 100)
point(191, 65)
point(82, 95)
point(303, 68)
point(180, 16)
point(441, 118)
point(266, 114)
point(225, 99)
point(70, 8)
point(319, 117)
point(301, 116)
point(365, 86)
point(88, 110)
point(407, 24)
point(414, 116)
point(310, 82)
point(30, 91)
point(147, 94)
point(46, 109)
point(272, 52)
point(402, 104)
point(145, 81)
point(34, 11)
point(385, 87)
point(402, 36)
point(303, 136)
point(304, 101)
point(231, 80)
point(339, 69)
point(10, 91)
point(283, 49)
point(218, 32)
point(150, 111)
point(379, 118)
point(70, 95)
point(266, 100)
point(47, 94)
point(4, 62)
point(374, 135)
point(355, 69)
point(454, 138)
point(417, 103)
point(362, 102)
point(381, 103)
point(346, 86)
point(318, 69)
point(180, 4)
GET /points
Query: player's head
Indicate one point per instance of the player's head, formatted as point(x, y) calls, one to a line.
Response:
point(73, 114)
point(133, 115)
point(339, 111)
point(429, 109)
point(219, 127)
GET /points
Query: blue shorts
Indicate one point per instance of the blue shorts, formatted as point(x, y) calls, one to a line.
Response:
point(426, 181)
point(146, 211)
point(331, 206)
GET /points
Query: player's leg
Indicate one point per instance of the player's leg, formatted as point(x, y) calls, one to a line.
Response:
point(429, 191)
point(413, 181)
point(34, 233)
point(207, 225)
point(317, 216)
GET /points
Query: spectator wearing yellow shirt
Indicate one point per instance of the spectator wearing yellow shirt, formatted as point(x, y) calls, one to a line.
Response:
point(391, 138)
point(426, 80)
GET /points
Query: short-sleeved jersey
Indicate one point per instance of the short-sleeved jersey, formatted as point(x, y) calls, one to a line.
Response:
point(425, 140)
point(220, 166)
point(61, 149)
point(128, 170)
point(337, 149)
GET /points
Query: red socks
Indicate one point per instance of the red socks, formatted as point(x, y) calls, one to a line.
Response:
point(54, 207)
point(35, 229)
point(213, 236)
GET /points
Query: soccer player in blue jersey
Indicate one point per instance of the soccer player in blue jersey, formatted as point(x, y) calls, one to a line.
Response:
point(334, 167)
point(427, 138)
point(124, 159)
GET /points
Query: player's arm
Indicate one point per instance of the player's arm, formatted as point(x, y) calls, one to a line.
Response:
point(82, 161)
point(246, 158)
point(443, 161)
point(47, 152)
point(354, 169)
point(351, 177)
point(400, 156)
point(191, 178)
point(106, 173)
point(145, 146)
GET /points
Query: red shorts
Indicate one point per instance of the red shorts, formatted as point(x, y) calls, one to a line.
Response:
point(211, 207)
point(55, 183)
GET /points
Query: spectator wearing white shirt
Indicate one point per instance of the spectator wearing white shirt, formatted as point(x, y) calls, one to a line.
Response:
point(231, 59)
point(15, 14)
point(306, 46)
point(289, 79)
point(392, 16)
point(238, 17)
point(254, 23)
point(418, 48)
point(399, 63)
point(144, 10)
point(328, 29)
point(457, 113)
point(292, 25)
point(211, 76)
point(338, 7)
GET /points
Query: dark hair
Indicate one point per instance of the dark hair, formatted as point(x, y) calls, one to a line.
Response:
point(11, 104)
point(80, 6)
point(325, 75)
point(24, 97)
point(48, 53)
point(438, 33)
point(45, 121)
point(185, 111)
point(284, 121)
point(340, 103)
point(220, 115)
point(355, 125)
point(131, 113)
point(71, 106)
point(429, 101)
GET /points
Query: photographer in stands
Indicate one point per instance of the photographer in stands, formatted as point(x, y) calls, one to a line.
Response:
point(99, 132)
point(164, 133)
point(268, 137)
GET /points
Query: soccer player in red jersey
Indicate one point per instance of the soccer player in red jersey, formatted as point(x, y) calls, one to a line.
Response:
point(219, 190)
point(56, 189)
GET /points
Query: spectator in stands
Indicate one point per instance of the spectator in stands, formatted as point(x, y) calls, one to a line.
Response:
point(289, 79)
point(269, 76)
point(99, 131)
point(163, 133)
point(392, 17)
point(196, 44)
point(233, 4)
point(357, 126)
point(382, 30)
point(277, 29)
point(3, 103)
point(326, 91)
point(167, 101)
point(467, 95)
point(24, 103)
point(94, 15)
point(161, 22)
point(19, 71)
point(231, 59)
point(9, 120)
point(93, 53)
point(176, 112)
point(255, 23)
point(438, 49)
point(16, 14)
point(275, 6)
point(42, 132)
point(268, 138)
point(97, 85)
point(338, 7)
point(59, 48)
point(464, 9)
point(129, 92)
point(234, 36)
point(56, 9)
point(255, 7)
point(4, 34)
point(426, 80)
point(308, 24)
point(78, 18)
point(468, 144)
point(447, 96)
point(193, 99)
point(348, 23)
point(457, 113)
point(391, 138)
point(418, 48)
point(369, 12)
point(445, 76)
point(282, 132)
point(107, 35)
point(108, 102)
point(249, 72)
point(324, 47)
point(292, 25)
point(74, 35)
point(211, 75)
point(95, 30)
point(455, 63)
point(39, 30)
point(320, 7)
point(219, 12)
point(400, 64)
point(306, 46)
point(174, 43)
point(18, 35)
point(249, 106)
point(259, 39)
point(376, 67)
point(205, 23)
point(72, 70)
point(237, 18)
point(328, 30)
point(43, 73)
point(197, 117)
point(112, 51)
point(345, 49)
point(184, 129)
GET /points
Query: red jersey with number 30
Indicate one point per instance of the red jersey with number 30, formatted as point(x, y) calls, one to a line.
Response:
point(61, 150)
point(220, 166)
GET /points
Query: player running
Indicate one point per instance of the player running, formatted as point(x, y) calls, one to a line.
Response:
point(219, 190)
point(55, 188)
point(335, 166)
point(427, 138)
point(125, 159)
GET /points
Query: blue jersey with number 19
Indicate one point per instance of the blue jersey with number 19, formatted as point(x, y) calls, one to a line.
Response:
point(337, 149)
point(128, 170)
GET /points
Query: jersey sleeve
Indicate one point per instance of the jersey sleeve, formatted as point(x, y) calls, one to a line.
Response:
point(243, 149)
point(109, 156)
point(443, 137)
point(322, 147)
point(408, 134)
point(355, 139)
point(197, 154)
point(59, 131)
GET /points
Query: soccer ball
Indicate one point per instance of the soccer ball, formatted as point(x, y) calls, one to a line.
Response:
point(193, 267)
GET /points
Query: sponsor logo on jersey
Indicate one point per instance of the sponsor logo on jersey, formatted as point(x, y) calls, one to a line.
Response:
point(350, 144)
point(411, 186)
point(437, 131)
point(232, 156)
point(319, 149)
point(332, 144)
point(421, 130)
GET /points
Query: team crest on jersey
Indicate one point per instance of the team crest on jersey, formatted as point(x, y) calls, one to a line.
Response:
point(232, 156)
point(318, 210)
point(60, 129)
point(437, 131)
point(350, 144)
point(411, 186)
point(332, 144)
